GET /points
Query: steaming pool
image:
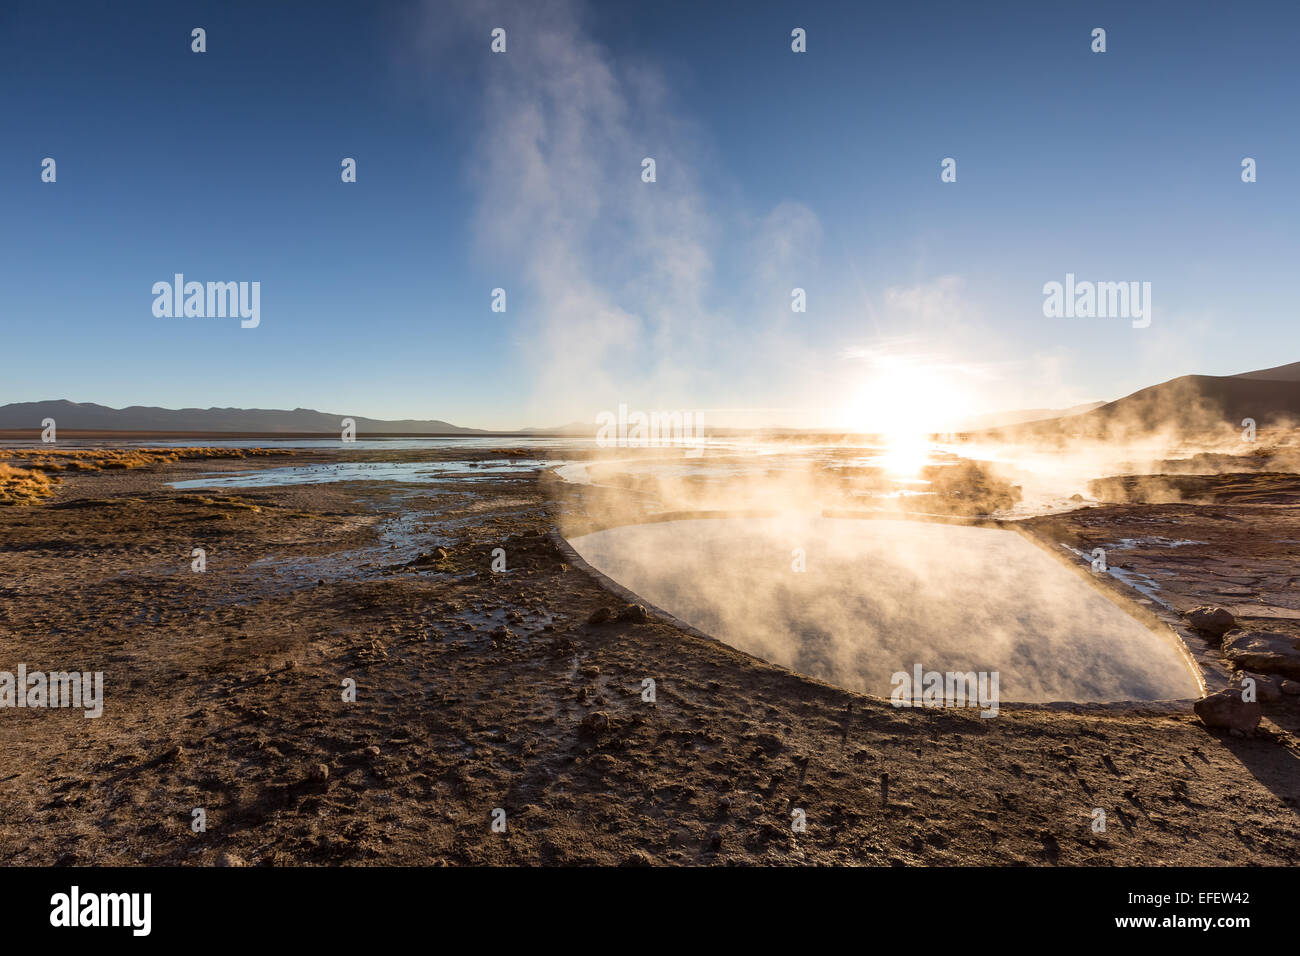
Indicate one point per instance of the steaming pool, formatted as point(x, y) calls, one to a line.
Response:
point(876, 597)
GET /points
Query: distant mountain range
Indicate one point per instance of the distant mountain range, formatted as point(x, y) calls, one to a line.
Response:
point(86, 416)
point(1189, 403)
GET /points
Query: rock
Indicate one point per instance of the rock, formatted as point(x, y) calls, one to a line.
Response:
point(638, 858)
point(1290, 687)
point(1272, 652)
point(635, 613)
point(600, 616)
point(1266, 689)
point(373, 751)
point(230, 859)
point(1076, 497)
point(1211, 619)
point(595, 724)
point(1227, 710)
point(319, 773)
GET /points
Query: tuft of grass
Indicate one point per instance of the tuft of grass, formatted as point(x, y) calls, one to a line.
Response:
point(19, 486)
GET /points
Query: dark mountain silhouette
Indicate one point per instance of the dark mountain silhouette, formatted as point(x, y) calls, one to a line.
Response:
point(1187, 405)
point(573, 428)
point(1280, 373)
point(87, 416)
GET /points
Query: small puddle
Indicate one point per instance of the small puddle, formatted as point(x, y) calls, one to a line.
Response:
point(403, 538)
point(412, 472)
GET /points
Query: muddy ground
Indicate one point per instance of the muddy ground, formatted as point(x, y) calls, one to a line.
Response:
point(478, 690)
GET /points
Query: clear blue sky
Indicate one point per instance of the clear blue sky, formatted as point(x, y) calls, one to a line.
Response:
point(522, 170)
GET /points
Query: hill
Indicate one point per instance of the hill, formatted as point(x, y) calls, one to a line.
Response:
point(1187, 405)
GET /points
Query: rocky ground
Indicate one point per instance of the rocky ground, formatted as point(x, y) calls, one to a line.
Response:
point(479, 690)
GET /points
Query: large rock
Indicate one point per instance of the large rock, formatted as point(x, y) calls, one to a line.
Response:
point(595, 724)
point(1226, 709)
point(634, 613)
point(1211, 619)
point(1269, 652)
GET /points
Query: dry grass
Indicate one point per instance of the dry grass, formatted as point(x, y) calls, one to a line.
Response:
point(97, 459)
point(32, 482)
point(18, 486)
point(232, 503)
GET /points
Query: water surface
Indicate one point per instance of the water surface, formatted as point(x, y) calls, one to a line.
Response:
point(876, 597)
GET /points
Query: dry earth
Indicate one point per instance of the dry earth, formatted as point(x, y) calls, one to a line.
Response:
point(479, 690)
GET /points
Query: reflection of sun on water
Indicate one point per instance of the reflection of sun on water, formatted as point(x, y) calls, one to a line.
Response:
point(905, 454)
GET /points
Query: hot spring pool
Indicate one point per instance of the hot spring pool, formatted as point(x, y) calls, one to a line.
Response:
point(877, 597)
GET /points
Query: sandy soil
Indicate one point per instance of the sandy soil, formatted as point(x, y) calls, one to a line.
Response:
point(479, 690)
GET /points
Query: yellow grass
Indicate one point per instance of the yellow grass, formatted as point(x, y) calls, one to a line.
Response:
point(32, 482)
point(19, 486)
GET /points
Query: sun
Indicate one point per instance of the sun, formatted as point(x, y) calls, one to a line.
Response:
point(904, 402)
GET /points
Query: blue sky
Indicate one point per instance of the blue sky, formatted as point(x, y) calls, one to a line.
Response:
point(522, 170)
